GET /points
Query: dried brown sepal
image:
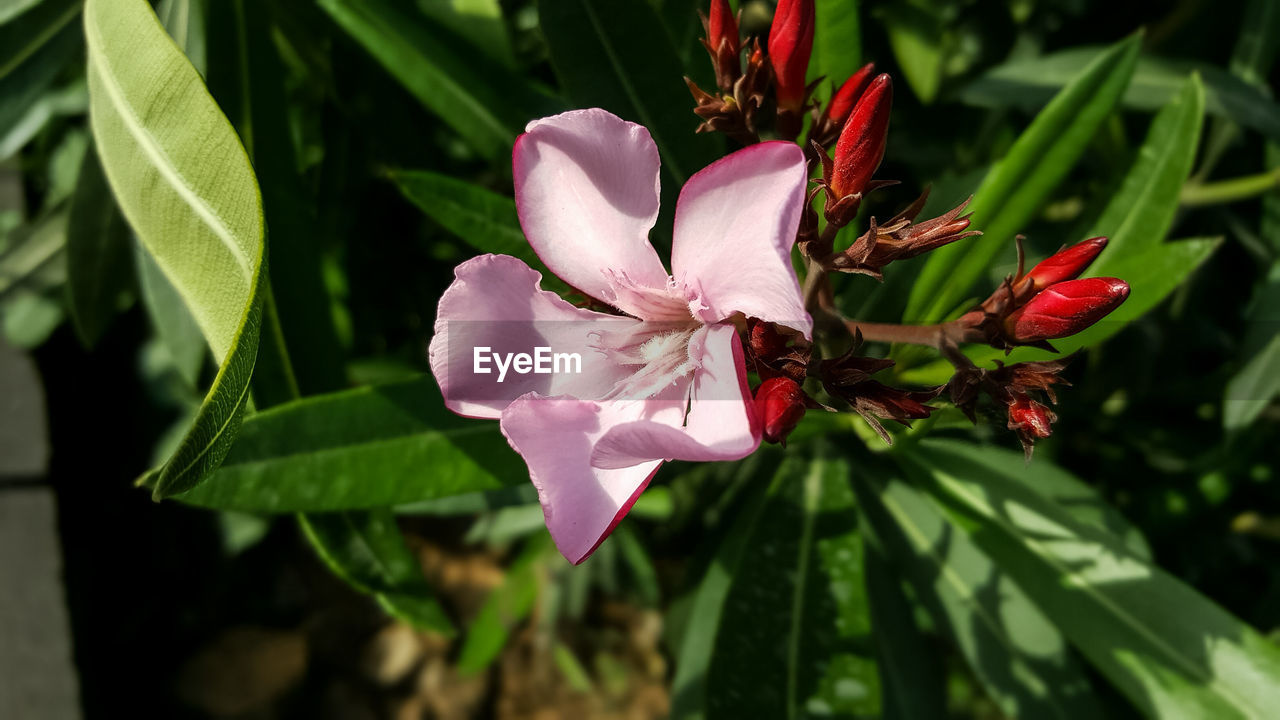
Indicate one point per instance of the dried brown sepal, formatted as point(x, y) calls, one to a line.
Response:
point(876, 401)
point(734, 113)
point(900, 239)
point(776, 352)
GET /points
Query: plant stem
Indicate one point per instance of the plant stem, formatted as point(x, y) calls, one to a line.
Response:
point(928, 335)
point(1229, 191)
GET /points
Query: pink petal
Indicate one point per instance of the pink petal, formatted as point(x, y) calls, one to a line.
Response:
point(580, 503)
point(736, 221)
point(721, 424)
point(587, 194)
point(495, 302)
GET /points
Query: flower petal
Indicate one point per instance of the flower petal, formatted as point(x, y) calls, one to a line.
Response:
point(721, 424)
point(736, 221)
point(586, 186)
point(495, 303)
point(580, 503)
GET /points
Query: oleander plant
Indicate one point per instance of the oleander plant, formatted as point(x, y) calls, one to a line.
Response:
point(649, 358)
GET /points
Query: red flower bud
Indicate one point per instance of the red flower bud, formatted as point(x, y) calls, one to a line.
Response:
point(1066, 264)
point(790, 43)
point(1029, 418)
point(722, 27)
point(1065, 309)
point(843, 101)
point(861, 144)
point(780, 405)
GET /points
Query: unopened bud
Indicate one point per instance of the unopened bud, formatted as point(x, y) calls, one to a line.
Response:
point(1066, 264)
point(780, 404)
point(1029, 418)
point(861, 145)
point(846, 97)
point(1065, 308)
point(724, 45)
point(790, 44)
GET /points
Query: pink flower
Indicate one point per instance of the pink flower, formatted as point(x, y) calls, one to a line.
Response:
point(665, 381)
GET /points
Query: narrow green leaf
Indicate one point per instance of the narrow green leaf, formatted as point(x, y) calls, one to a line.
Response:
point(911, 674)
point(98, 253)
point(916, 36)
point(837, 44)
point(364, 448)
point(616, 55)
point(505, 608)
point(792, 635)
point(1170, 650)
point(1139, 216)
point(23, 36)
point(1022, 181)
point(34, 48)
point(185, 185)
point(483, 219)
point(1257, 383)
point(1020, 658)
point(247, 79)
point(479, 22)
point(1045, 478)
point(367, 551)
point(1027, 83)
point(172, 321)
point(478, 101)
point(185, 21)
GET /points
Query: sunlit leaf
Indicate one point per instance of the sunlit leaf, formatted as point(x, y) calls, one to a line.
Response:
point(366, 550)
point(185, 185)
point(1023, 662)
point(1022, 181)
point(364, 448)
point(1170, 650)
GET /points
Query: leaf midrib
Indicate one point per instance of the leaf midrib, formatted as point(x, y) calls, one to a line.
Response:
point(159, 158)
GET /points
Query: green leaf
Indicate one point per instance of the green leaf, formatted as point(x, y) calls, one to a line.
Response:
point(474, 98)
point(1171, 651)
point(916, 36)
point(483, 219)
point(780, 625)
point(1027, 83)
point(98, 253)
point(479, 22)
point(911, 674)
point(616, 55)
point(1257, 383)
point(1054, 483)
point(507, 605)
point(837, 44)
point(34, 48)
point(1022, 181)
point(185, 185)
point(23, 36)
point(172, 321)
point(367, 550)
point(364, 448)
point(185, 21)
point(1017, 654)
point(247, 79)
point(1139, 215)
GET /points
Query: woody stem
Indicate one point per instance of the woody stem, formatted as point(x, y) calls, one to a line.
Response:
point(934, 336)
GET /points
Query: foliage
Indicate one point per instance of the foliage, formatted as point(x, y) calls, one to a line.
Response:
point(224, 226)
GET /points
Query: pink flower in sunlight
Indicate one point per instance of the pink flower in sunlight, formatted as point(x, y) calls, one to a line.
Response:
point(666, 380)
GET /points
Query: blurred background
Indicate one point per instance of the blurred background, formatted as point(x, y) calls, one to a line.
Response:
point(113, 605)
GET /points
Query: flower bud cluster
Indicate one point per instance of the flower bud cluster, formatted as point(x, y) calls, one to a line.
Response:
point(1048, 302)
